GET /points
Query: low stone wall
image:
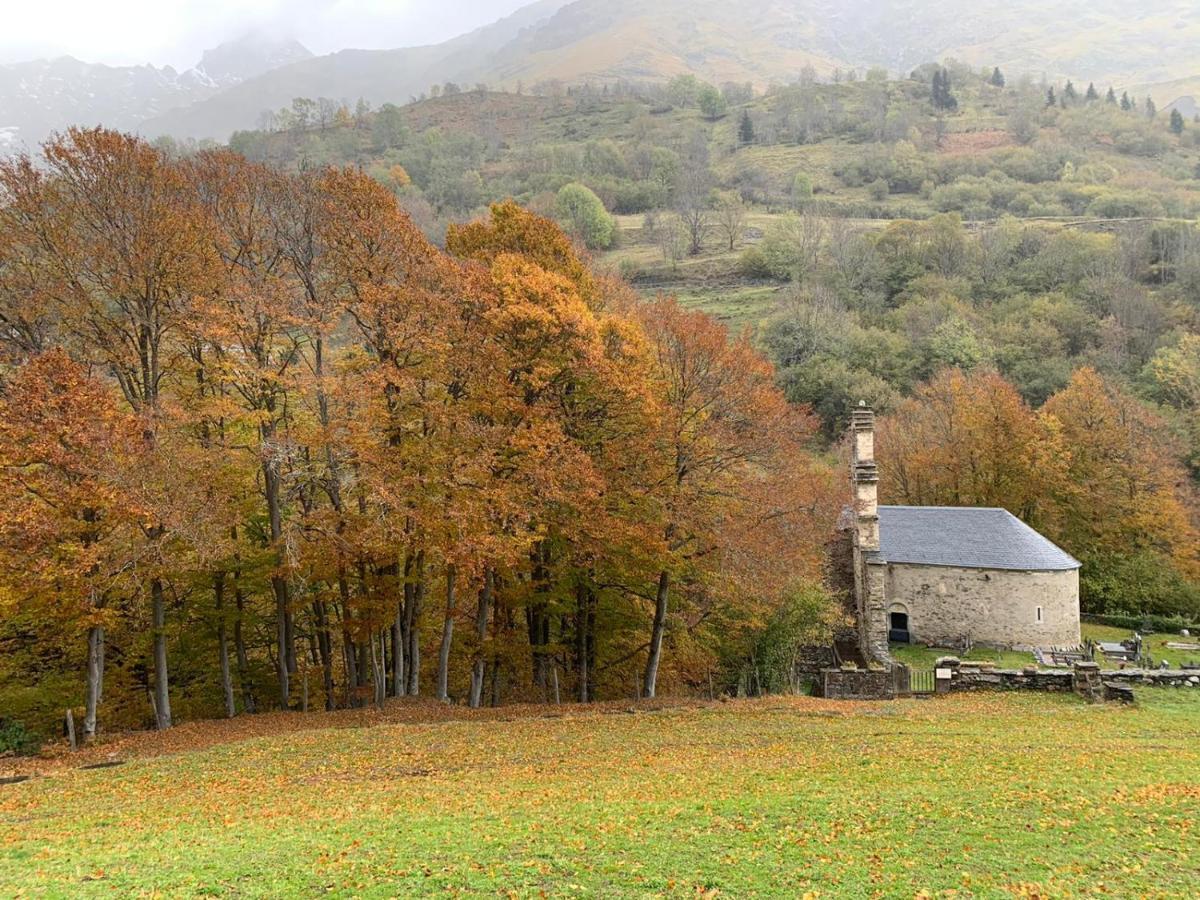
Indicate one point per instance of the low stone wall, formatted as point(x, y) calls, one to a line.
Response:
point(1086, 679)
point(857, 684)
point(955, 676)
point(1158, 677)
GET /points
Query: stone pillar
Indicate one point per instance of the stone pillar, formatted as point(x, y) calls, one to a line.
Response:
point(865, 476)
point(1085, 681)
point(945, 665)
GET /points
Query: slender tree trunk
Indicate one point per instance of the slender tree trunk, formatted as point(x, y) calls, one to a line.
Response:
point(289, 628)
point(95, 680)
point(223, 645)
point(239, 644)
point(412, 622)
point(585, 642)
point(286, 662)
point(350, 663)
point(399, 672)
point(324, 650)
point(349, 652)
point(377, 670)
point(481, 621)
point(443, 675)
point(162, 692)
point(656, 635)
point(279, 587)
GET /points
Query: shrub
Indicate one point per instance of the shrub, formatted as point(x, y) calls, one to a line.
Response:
point(802, 189)
point(15, 739)
point(878, 189)
point(1145, 624)
point(807, 617)
point(584, 215)
point(753, 264)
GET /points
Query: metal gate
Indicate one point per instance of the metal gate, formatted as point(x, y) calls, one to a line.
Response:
point(921, 681)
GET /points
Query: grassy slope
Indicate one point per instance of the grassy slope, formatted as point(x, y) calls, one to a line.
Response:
point(985, 795)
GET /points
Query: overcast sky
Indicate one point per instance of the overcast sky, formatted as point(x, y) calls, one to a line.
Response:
point(176, 32)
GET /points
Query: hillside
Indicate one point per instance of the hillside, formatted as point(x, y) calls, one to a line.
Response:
point(759, 41)
point(999, 795)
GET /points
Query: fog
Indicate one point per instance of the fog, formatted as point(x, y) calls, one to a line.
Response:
point(176, 32)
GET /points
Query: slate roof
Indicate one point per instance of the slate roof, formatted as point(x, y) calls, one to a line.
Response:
point(968, 538)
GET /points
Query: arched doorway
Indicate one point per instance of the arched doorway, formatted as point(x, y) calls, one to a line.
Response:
point(898, 632)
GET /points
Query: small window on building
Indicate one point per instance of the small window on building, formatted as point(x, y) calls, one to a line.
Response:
point(1039, 614)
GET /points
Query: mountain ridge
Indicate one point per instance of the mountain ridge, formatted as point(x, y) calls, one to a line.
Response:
point(571, 41)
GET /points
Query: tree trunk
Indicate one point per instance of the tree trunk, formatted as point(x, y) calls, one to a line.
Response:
point(349, 652)
point(481, 621)
point(324, 650)
point(162, 693)
point(377, 670)
point(239, 645)
point(279, 587)
point(95, 680)
point(399, 673)
point(443, 675)
point(223, 645)
point(656, 635)
point(582, 604)
point(412, 622)
point(286, 661)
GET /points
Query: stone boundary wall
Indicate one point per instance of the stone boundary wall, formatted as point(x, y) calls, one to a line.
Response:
point(953, 675)
point(1086, 679)
point(857, 684)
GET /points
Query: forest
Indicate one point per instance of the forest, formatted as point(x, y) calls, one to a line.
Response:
point(280, 431)
point(267, 447)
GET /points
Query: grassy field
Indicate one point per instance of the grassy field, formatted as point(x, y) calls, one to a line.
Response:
point(972, 796)
point(924, 657)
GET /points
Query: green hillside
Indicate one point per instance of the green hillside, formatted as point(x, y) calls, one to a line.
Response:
point(868, 236)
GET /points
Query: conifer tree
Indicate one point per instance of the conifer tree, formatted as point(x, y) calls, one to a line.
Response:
point(997, 79)
point(1176, 122)
point(1111, 97)
point(1151, 108)
point(1070, 95)
point(941, 94)
point(746, 128)
point(1126, 103)
point(1092, 96)
point(1051, 99)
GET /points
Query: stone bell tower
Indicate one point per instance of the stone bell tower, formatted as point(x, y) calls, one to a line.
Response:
point(869, 580)
point(864, 474)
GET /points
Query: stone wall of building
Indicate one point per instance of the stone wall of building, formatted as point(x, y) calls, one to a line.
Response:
point(945, 605)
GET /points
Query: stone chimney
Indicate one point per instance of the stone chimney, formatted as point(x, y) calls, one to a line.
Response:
point(865, 475)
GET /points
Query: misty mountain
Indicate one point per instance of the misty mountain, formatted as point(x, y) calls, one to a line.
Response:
point(235, 61)
point(1108, 41)
point(762, 41)
point(42, 96)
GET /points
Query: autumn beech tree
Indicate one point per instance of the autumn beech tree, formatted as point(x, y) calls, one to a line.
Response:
point(1125, 496)
point(968, 439)
point(267, 401)
point(245, 332)
point(70, 539)
point(127, 250)
point(731, 461)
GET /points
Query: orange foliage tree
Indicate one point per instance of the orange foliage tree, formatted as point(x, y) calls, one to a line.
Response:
point(321, 443)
